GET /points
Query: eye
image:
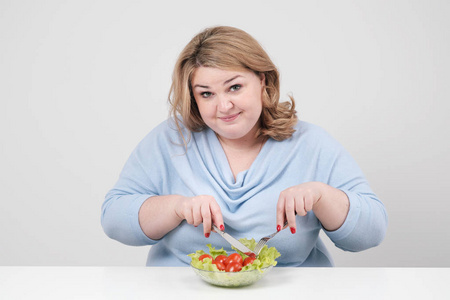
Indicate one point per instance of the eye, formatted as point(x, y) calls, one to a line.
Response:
point(235, 87)
point(206, 94)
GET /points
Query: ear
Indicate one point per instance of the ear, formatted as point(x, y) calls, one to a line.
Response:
point(262, 77)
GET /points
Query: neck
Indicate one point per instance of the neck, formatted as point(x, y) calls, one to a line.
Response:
point(241, 153)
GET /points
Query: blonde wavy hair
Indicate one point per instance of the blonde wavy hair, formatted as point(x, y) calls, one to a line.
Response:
point(229, 48)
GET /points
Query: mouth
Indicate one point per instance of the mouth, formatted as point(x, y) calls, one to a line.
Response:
point(230, 118)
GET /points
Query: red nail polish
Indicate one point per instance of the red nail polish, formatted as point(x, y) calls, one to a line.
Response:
point(292, 230)
point(222, 227)
point(278, 228)
point(207, 235)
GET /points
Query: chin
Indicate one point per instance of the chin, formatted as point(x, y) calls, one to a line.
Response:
point(231, 136)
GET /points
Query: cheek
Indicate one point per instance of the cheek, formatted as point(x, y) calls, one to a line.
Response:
point(258, 107)
point(204, 109)
point(257, 102)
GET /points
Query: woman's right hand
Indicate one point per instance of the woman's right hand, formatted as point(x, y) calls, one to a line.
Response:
point(200, 209)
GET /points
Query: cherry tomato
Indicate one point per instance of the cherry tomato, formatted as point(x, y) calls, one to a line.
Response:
point(202, 257)
point(221, 258)
point(219, 265)
point(235, 257)
point(233, 267)
point(250, 254)
point(249, 260)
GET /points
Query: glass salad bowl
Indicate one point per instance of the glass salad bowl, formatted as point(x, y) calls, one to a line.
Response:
point(231, 279)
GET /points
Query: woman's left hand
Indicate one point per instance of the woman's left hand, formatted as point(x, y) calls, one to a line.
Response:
point(299, 199)
point(330, 205)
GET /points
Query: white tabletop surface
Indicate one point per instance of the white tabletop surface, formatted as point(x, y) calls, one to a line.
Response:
point(160, 283)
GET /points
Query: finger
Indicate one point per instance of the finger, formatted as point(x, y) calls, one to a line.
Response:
point(206, 216)
point(216, 215)
point(300, 206)
point(189, 218)
point(197, 214)
point(280, 212)
point(187, 213)
point(309, 202)
point(290, 214)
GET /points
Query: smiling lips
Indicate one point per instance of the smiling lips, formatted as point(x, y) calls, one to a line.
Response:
point(230, 118)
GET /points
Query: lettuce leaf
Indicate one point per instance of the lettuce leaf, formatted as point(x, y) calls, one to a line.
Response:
point(267, 257)
point(214, 253)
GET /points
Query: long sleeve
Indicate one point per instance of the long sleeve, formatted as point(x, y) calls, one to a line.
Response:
point(141, 178)
point(366, 223)
point(122, 203)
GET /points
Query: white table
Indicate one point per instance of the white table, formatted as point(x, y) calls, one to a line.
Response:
point(280, 283)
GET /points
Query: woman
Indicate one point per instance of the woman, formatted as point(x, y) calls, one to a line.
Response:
point(232, 155)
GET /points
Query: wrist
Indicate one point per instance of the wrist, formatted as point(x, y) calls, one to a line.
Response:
point(177, 207)
point(320, 189)
point(332, 207)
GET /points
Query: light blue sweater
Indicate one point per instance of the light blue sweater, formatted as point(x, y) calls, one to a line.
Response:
point(160, 166)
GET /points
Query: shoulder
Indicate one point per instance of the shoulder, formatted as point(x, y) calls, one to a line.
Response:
point(166, 127)
point(306, 130)
point(314, 138)
point(303, 126)
point(165, 135)
point(164, 131)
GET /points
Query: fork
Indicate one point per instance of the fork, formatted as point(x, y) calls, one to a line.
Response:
point(264, 240)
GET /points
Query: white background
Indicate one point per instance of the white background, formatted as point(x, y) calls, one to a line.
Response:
point(82, 82)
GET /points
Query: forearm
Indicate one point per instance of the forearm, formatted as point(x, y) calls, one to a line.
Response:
point(332, 207)
point(365, 225)
point(157, 215)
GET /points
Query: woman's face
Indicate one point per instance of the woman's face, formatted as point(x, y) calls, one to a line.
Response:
point(230, 102)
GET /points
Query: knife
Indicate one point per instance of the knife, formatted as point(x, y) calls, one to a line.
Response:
point(234, 242)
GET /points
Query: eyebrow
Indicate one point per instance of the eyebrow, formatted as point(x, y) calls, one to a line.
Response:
point(225, 82)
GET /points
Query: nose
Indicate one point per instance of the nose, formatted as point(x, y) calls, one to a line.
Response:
point(225, 103)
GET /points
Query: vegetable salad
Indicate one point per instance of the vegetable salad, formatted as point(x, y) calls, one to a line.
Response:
point(220, 260)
